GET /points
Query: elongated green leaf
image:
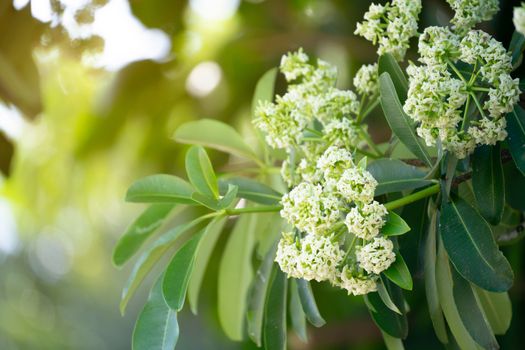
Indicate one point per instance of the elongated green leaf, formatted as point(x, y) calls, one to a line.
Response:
point(150, 257)
point(296, 312)
point(517, 44)
point(274, 333)
point(139, 231)
point(178, 273)
point(471, 247)
point(229, 197)
point(471, 314)
point(516, 138)
point(308, 302)
point(387, 63)
point(251, 190)
point(386, 299)
point(514, 186)
point(394, 225)
point(214, 134)
point(399, 274)
point(257, 296)
point(206, 201)
point(156, 327)
point(387, 320)
point(431, 291)
point(487, 182)
point(393, 175)
point(392, 343)
point(399, 122)
point(497, 309)
point(160, 189)
point(235, 276)
point(203, 254)
point(446, 300)
point(264, 90)
point(200, 172)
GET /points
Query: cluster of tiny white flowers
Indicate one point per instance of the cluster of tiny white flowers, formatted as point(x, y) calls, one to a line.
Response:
point(376, 256)
point(391, 26)
point(366, 79)
point(367, 221)
point(356, 284)
point(519, 18)
point(468, 13)
point(437, 97)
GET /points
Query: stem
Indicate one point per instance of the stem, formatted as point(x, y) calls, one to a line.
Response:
point(477, 104)
point(369, 142)
point(480, 89)
point(413, 197)
point(350, 247)
point(467, 105)
point(458, 73)
point(368, 110)
point(261, 209)
point(365, 153)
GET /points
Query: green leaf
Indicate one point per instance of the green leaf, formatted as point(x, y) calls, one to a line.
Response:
point(235, 276)
point(386, 299)
point(392, 343)
point(309, 305)
point(470, 313)
point(497, 308)
point(139, 231)
point(203, 254)
point(156, 327)
point(274, 333)
point(446, 299)
point(387, 320)
point(296, 312)
point(399, 122)
point(251, 190)
point(393, 175)
point(149, 258)
point(178, 273)
point(517, 44)
point(471, 247)
point(394, 225)
point(516, 136)
point(514, 186)
point(160, 189)
point(200, 172)
point(487, 182)
point(257, 296)
point(264, 90)
point(206, 201)
point(229, 197)
point(431, 291)
point(399, 274)
point(214, 134)
point(387, 63)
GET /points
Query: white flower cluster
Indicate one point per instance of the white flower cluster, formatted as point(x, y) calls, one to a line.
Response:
point(391, 26)
point(468, 13)
point(340, 200)
point(519, 18)
point(366, 79)
point(440, 94)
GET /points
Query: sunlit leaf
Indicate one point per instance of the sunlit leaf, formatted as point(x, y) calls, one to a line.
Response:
point(160, 189)
point(264, 90)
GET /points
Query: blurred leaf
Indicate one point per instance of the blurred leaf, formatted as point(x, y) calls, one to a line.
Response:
point(387, 320)
point(252, 190)
point(309, 305)
point(235, 276)
point(178, 273)
point(200, 172)
point(214, 134)
point(264, 90)
point(387, 63)
point(487, 182)
point(296, 312)
point(139, 231)
point(229, 197)
point(471, 247)
point(517, 44)
point(164, 15)
point(156, 327)
point(206, 201)
point(160, 188)
point(497, 308)
point(394, 225)
point(274, 333)
point(399, 274)
point(514, 186)
point(393, 175)
point(6, 154)
point(399, 122)
point(392, 343)
point(204, 251)
point(516, 137)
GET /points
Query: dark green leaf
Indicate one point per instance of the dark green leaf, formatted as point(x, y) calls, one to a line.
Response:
point(387, 63)
point(274, 333)
point(160, 189)
point(200, 172)
point(393, 175)
point(229, 197)
point(399, 122)
point(264, 90)
point(386, 299)
point(516, 138)
point(387, 320)
point(487, 182)
point(514, 186)
point(296, 312)
point(471, 247)
point(308, 302)
point(399, 274)
point(214, 134)
point(394, 225)
point(517, 44)
point(497, 308)
point(257, 296)
point(139, 231)
point(156, 327)
point(251, 190)
point(470, 313)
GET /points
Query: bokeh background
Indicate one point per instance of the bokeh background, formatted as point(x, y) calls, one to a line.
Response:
point(90, 95)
